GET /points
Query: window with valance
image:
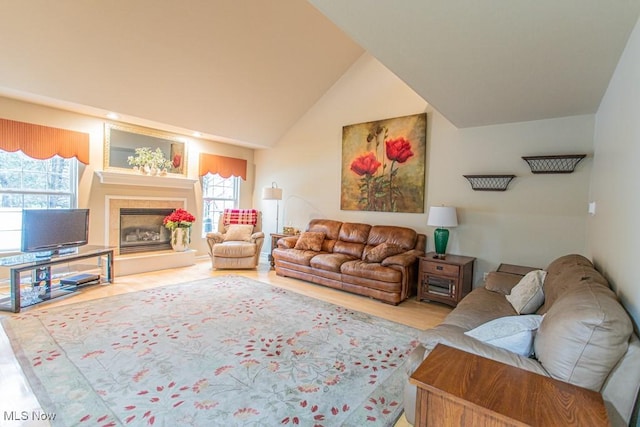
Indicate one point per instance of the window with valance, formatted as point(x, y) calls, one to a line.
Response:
point(43, 142)
point(223, 166)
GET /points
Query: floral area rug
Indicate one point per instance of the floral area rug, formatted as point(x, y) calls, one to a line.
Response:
point(226, 351)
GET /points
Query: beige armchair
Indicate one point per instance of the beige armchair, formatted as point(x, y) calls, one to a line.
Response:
point(236, 246)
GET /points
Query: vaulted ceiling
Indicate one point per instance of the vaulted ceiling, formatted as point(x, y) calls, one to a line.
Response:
point(245, 71)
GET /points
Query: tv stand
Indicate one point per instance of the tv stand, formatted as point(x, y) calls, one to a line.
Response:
point(41, 269)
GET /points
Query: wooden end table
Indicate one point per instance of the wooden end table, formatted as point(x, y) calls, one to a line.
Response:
point(445, 280)
point(463, 389)
point(274, 241)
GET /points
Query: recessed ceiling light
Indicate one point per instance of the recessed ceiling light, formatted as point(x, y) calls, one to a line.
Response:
point(113, 116)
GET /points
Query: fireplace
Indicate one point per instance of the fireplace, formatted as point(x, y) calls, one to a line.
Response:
point(141, 230)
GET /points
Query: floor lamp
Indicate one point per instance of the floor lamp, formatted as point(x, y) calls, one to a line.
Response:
point(273, 193)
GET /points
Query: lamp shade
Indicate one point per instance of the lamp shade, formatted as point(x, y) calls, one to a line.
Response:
point(272, 193)
point(442, 216)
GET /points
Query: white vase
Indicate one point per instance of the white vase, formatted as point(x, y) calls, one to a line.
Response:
point(180, 239)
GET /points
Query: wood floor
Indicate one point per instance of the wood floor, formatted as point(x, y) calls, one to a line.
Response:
point(16, 395)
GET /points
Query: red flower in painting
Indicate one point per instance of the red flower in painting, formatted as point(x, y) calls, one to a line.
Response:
point(398, 149)
point(366, 164)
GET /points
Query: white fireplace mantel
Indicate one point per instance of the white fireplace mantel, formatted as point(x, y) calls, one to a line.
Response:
point(137, 179)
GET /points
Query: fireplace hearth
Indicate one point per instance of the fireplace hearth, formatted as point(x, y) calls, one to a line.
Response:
point(142, 230)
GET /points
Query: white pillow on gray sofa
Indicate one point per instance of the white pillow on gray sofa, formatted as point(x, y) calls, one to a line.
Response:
point(527, 296)
point(513, 333)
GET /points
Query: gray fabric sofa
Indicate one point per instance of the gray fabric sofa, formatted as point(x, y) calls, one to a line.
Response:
point(585, 338)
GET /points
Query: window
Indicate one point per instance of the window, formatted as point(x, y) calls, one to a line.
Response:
point(32, 183)
point(218, 194)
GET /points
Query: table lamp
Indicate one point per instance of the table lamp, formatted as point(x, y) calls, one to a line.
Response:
point(441, 217)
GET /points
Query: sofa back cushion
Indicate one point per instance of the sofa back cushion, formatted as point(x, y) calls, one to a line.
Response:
point(401, 236)
point(565, 273)
point(352, 239)
point(583, 335)
point(331, 230)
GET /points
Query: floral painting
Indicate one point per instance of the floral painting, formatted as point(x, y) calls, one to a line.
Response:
point(383, 165)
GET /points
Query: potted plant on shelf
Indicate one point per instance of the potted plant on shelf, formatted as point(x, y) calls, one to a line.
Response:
point(150, 162)
point(179, 222)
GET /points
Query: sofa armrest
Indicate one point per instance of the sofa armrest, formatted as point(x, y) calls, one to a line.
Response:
point(215, 237)
point(454, 336)
point(501, 282)
point(257, 235)
point(404, 259)
point(288, 242)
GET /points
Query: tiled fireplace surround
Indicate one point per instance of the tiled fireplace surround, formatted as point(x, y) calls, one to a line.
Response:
point(143, 261)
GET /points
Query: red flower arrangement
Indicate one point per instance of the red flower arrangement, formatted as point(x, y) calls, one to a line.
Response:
point(178, 219)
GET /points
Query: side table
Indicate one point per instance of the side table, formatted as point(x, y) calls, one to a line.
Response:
point(463, 389)
point(445, 280)
point(274, 241)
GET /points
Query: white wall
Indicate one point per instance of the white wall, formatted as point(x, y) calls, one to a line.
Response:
point(614, 232)
point(537, 219)
point(92, 194)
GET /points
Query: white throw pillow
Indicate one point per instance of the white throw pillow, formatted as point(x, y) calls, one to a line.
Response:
point(513, 333)
point(238, 232)
point(527, 296)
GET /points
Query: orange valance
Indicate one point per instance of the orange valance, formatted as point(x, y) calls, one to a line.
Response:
point(223, 166)
point(43, 142)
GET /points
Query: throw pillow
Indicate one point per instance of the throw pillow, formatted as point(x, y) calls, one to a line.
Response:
point(310, 241)
point(527, 296)
point(382, 251)
point(513, 333)
point(239, 232)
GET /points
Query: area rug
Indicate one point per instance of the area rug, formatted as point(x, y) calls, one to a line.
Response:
point(220, 351)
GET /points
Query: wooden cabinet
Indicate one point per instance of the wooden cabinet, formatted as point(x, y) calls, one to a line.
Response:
point(456, 388)
point(274, 241)
point(444, 280)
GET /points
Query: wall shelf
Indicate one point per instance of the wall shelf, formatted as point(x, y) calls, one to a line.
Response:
point(489, 182)
point(132, 178)
point(565, 163)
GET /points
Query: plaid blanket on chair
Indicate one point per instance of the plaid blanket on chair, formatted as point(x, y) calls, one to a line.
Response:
point(240, 216)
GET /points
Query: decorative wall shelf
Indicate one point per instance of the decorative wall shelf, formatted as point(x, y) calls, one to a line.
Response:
point(489, 182)
point(137, 179)
point(565, 163)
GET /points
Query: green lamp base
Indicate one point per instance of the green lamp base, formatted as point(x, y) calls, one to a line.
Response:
point(440, 238)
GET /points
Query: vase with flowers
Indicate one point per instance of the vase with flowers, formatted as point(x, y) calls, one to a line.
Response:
point(179, 222)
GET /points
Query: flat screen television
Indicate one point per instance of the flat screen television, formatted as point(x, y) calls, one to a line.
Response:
point(53, 230)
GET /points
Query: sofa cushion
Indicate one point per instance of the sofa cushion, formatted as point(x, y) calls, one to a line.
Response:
point(380, 252)
point(371, 271)
point(501, 282)
point(310, 241)
point(565, 273)
point(513, 333)
point(238, 232)
point(583, 335)
point(329, 227)
point(330, 262)
point(234, 249)
point(354, 232)
point(478, 307)
point(527, 296)
point(294, 256)
point(349, 248)
point(401, 236)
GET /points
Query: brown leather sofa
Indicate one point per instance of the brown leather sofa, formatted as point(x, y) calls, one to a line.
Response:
point(378, 261)
point(585, 338)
